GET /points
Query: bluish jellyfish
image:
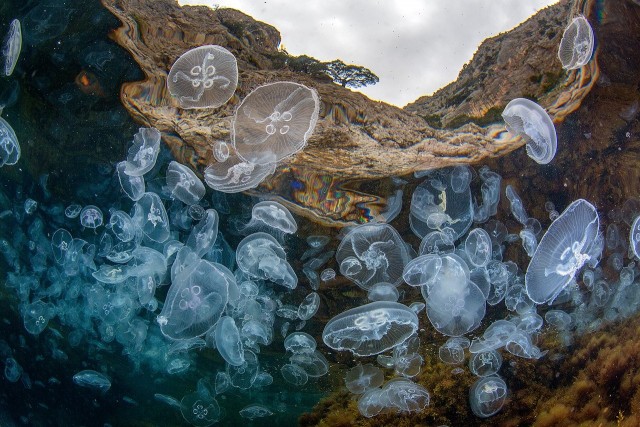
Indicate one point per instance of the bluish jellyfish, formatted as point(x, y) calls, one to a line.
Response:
point(204, 234)
point(60, 243)
point(371, 403)
point(313, 363)
point(327, 275)
point(561, 320)
point(221, 151)
point(634, 237)
point(92, 379)
point(228, 341)
point(487, 395)
point(372, 253)
point(460, 178)
point(30, 206)
point(254, 411)
point(452, 351)
point(72, 211)
point(11, 47)
point(150, 215)
point(36, 316)
point(261, 256)
point(133, 186)
point(183, 184)
point(383, 291)
point(9, 146)
point(243, 376)
point(309, 306)
point(361, 378)
point(143, 153)
point(300, 342)
point(485, 363)
point(370, 329)
point(121, 226)
point(195, 301)
point(200, 408)
point(403, 395)
point(235, 174)
point(566, 246)
point(478, 246)
point(203, 77)
point(12, 370)
point(294, 374)
point(530, 121)
point(91, 217)
point(436, 242)
point(270, 217)
point(576, 46)
point(275, 119)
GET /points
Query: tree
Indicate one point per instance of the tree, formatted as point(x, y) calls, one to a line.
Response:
point(350, 75)
point(306, 64)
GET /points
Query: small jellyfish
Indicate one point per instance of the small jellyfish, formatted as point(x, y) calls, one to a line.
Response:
point(220, 151)
point(309, 306)
point(143, 153)
point(313, 363)
point(271, 217)
point(200, 408)
point(403, 395)
point(228, 341)
point(36, 316)
point(72, 211)
point(487, 395)
point(235, 174)
point(133, 186)
point(634, 237)
point(299, 342)
point(294, 374)
point(485, 363)
point(11, 47)
point(275, 119)
point(383, 292)
point(478, 247)
point(566, 246)
point(460, 178)
point(452, 351)
point(150, 215)
point(576, 46)
point(203, 77)
point(92, 379)
point(9, 146)
point(30, 206)
point(183, 184)
point(12, 370)
point(254, 411)
point(327, 274)
point(361, 378)
point(91, 217)
point(527, 119)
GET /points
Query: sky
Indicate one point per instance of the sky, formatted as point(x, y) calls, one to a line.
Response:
point(414, 46)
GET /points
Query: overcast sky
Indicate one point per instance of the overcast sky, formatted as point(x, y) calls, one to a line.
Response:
point(414, 46)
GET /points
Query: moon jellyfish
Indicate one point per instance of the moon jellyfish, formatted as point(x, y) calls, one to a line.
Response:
point(383, 292)
point(275, 119)
point(204, 234)
point(398, 395)
point(527, 119)
point(309, 306)
point(228, 341)
point(485, 363)
point(235, 174)
point(133, 186)
point(220, 151)
point(36, 316)
point(566, 246)
point(92, 379)
point(327, 274)
point(203, 77)
point(361, 378)
point(299, 342)
point(478, 246)
point(313, 363)
point(254, 411)
point(272, 218)
point(294, 374)
point(12, 370)
point(143, 153)
point(634, 237)
point(452, 351)
point(195, 301)
point(576, 46)
point(150, 215)
point(183, 184)
point(487, 395)
point(11, 47)
point(460, 178)
point(370, 329)
point(372, 253)
point(61, 241)
point(200, 408)
point(243, 376)
point(261, 256)
point(9, 146)
point(91, 217)
point(72, 211)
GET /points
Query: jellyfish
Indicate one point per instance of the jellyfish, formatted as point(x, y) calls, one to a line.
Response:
point(200, 408)
point(634, 237)
point(487, 395)
point(452, 351)
point(576, 46)
point(370, 329)
point(183, 184)
point(309, 306)
point(203, 77)
point(61, 241)
point(372, 253)
point(478, 246)
point(294, 374)
point(566, 246)
point(270, 217)
point(91, 217)
point(275, 119)
point(11, 47)
point(261, 256)
point(312, 362)
point(72, 211)
point(228, 341)
point(9, 146)
point(133, 186)
point(361, 378)
point(12, 370)
point(92, 379)
point(204, 234)
point(235, 174)
point(460, 178)
point(195, 301)
point(121, 226)
point(527, 119)
point(403, 395)
point(254, 411)
point(243, 376)
point(150, 215)
point(143, 153)
point(485, 363)
point(36, 316)
point(220, 151)
point(327, 275)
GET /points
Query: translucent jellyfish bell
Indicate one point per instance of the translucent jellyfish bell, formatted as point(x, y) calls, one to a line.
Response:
point(133, 186)
point(91, 217)
point(487, 395)
point(576, 46)
point(370, 329)
point(235, 174)
point(563, 250)
point(143, 153)
point(277, 119)
point(634, 237)
point(150, 215)
point(11, 47)
point(184, 184)
point(261, 256)
point(195, 301)
point(221, 151)
point(527, 119)
point(478, 247)
point(9, 146)
point(372, 253)
point(203, 77)
point(361, 378)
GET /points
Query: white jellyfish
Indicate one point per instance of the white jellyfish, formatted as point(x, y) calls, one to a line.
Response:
point(11, 47)
point(195, 301)
point(203, 77)
point(261, 256)
point(221, 151)
point(270, 217)
point(91, 216)
point(370, 329)
point(487, 395)
point(9, 146)
point(566, 246)
point(235, 174)
point(183, 184)
point(150, 215)
point(634, 237)
point(133, 186)
point(361, 378)
point(372, 253)
point(228, 341)
point(275, 119)
point(527, 119)
point(142, 154)
point(576, 46)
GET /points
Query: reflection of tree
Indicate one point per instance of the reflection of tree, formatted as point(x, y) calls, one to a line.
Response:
point(350, 75)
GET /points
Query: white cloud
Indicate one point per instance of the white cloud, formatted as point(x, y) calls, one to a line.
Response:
point(414, 46)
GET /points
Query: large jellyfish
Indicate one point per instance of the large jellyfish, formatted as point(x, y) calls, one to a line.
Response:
point(576, 46)
point(9, 147)
point(527, 119)
point(235, 174)
point(275, 119)
point(566, 246)
point(204, 77)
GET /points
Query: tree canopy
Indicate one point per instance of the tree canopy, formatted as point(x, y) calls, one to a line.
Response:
point(349, 75)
